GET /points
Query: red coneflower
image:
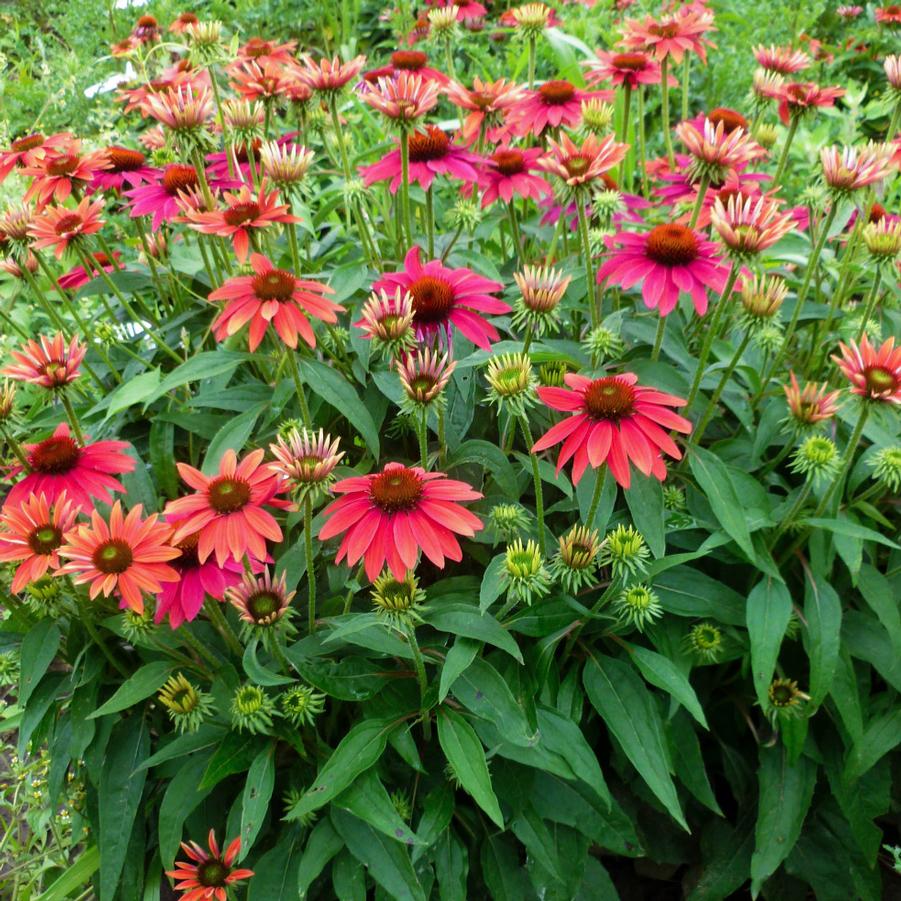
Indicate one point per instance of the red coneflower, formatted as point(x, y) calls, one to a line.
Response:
point(488, 105)
point(510, 171)
point(60, 170)
point(59, 226)
point(800, 97)
point(673, 35)
point(58, 464)
point(243, 213)
point(261, 50)
point(390, 515)
point(668, 259)
point(444, 297)
point(272, 296)
point(874, 374)
point(716, 149)
point(78, 276)
point(554, 104)
point(784, 60)
point(128, 555)
point(185, 108)
point(227, 510)
point(616, 421)
point(49, 362)
point(264, 80)
point(260, 600)
point(123, 166)
point(415, 62)
point(888, 15)
point(629, 69)
point(146, 30)
point(31, 535)
point(208, 878)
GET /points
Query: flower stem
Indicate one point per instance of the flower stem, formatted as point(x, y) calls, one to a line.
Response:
point(532, 42)
point(870, 307)
point(536, 479)
point(599, 479)
point(421, 677)
point(627, 106)
point(714, 398)
point(217, 618)
point(422, 432)
point(16, 448)
point(311, 562)
point(515, 233)
point(789, 518)
point(642, 153)
point(664, 110)
point(686, 81)
point(73, 419)
point(298, 385)
point(783, 159)
point(405, 184)
point(658, 338)
point(586, 253)
point(839, 481)
point(87, 619)
point(430, 221)
point(699, 203)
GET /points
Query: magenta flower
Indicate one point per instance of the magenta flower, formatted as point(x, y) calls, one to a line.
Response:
point(553, 104)
point(508, 172)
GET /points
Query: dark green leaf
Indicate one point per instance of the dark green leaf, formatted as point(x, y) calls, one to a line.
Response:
point(768, 613)
point(276, 872)
point(823, 612)
point(183, 796)
point(146, 681)
point(462, 653)
point(662, 672)
point(321, 846)
point(39, 647)
point(466, 620)
point(645, 500)
point(257, 794)
point(368, 800)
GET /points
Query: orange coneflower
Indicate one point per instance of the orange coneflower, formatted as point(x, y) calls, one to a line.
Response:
point(875, 374)
point(59, 226)
point(50, 362)
point(208, 878)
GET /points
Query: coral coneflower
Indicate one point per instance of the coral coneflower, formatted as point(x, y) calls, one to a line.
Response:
point(264, 81)
point(31, 534)
point(123, 166)
point(616, 421)
point(715, 150)
point(78, 276)
point(784, 60)
point(227, 509)
point(798, 98)
point(387, 319)
point(330, 75)
point(306, 460)
point(128, 555)
point(262, 50)
point(444, 297)
point(554, 104)
point(487, 105)
point(748, 226)
point(848, 169)
point(541, 289)
point(61, 170)
point(244, 213)
point(261, 600)
point(59, 226)
point(285, 165)
point(848, 12)
point(49, 362)
point(629, 69)
point(424, 376)
point(182, 23)
point(667, 259)
point(58, 464)
point(888, 15)
point(272, 297)
point(812, 404)
point(210, 875)
point(673, 35)
point(875, 374)
point(579, 166)
point(184, 109)
point(404, 98)
point(510, 172)
point(27, 150)
point(389, 515)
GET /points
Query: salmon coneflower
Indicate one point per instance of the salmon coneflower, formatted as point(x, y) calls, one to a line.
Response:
point(261, 50)
point(31, 534)
point(848, 12)
point(389, 516)
point(402, 99)
point(630, 69)
point(123, 166)
point(888, 15)
point(798, 98)
point(716, 149)
point(424, 374)
point(326, 76)
point(182, 23)
point(227, 509)
point(78, 276)
point(61, 170)
point(387, 320)
point(811, 405)
point(487, 105)
point(128, 555)
point(185, 109)
point(306, 460)
point(59, 226)
point(554, 104)
point(784, 60)
point(578, 166)
point(265, 81)
point(49, 362)
point(444, 298)
point(243, 215)
point(616, 421)
point(510, 172)
point(261, 600)
point(667, 259)
point(748, 226)
point(272, 297)
point(210, 874)
point(431, 153)
point(848, 169)
point(874, 374)
point(27, 150)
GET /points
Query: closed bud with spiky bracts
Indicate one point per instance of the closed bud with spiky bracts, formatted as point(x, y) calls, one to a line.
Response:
point(817, 459)
point(575, 563)
point(424, 374)
point(637, 606)
point(301, 704)
point(245, 117)
point(263, 603)
point(625, 552)
point(551, 374)
point(443, 23)
point(465, 214)
point(398, 600)
point(387, 320)
point(706, 642)
point(7, 401)
point(602, 344)
point(285, 164)
point(597, 116)
point(886, 465)
point(541, 289)
point(511, 382)
point(44, 598)
point(508, 521)
point(186, 704)
point(252, 710)
point(137, 625)
point(761, 298)
point(307, 461)
point(531, 18)
point(292, 800)
point(766, 135)
point(785, 700)
point(811, 406)
point(883, 241)
point(674, 498)
point(400, 801)
point(524, 573)
point(606, 204)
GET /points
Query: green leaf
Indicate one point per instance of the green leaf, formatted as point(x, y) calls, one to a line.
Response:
point(322, 845)
point(882, 734)
point(493, 582)
point(490, 457)
point(368, 800)
point(119, 795)
point(879, 595)
point(685, 750)
point(662, 672)
point(465, 620)
point(620, 697)
point(462, 653)
point(258, 673)
point(204, 365)
point(276, 872)
point(257, 794)
point(466, 756)
point(135, 391)
point(849, 528)
point(182, 797)
point(785, 792)
point(146, 681)
point(688, 592)
point(768, 612)
point(233, 755)
point(716, 482)
point(207, 736)
point(336, 391)
point(386, 861)
point(505, 877)
point(161, 443)
point(357, 751)
point(232, 436)
point(75, 876)
point(39, 647)
point(645, 500)
point(348, 679)
point(823, 612)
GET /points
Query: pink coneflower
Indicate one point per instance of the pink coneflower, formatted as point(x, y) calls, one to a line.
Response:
point(799, 97)
point(208, 878)
point(667, 259)
point(387, 319)
point(123, 166)
point(31, 534)
point(182, 23)
point(510, 172)
point(329, 75)
point(716, 150)
point(748, 226)
point(488, 105)
point(424, 374)
point(160, 199)
point(579, 166)
point(28, 150)
point(848, 12)
point(59, 226)
point(78, 276)
point(390, 515)
point(153, 138)
point(60, 171)
point(888, 15)
point(445, 297)
point(227, 510)
point(414, 62)
point(306, 459)
point(814, 404)
point(628, 69)
point(784, 60)
point(244, 213)
point(58, 464)
point(431, 154)
point(272, 297)
point(285, 164)
point(404, 98)
point(874, 374)
point(146, 30)
point(680, 188)
point(13, 267)
point(261, 50)
point(848, 169)
point(892, 66)
point(128, 555)
point(139, 98)
point(673, 35)
point(554, 104)
point(49, 362)
point(186, 108)
point(616, 421)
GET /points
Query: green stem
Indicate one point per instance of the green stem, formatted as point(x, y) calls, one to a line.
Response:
point(532, 42)
point(714, 398)
point(658, 338)
point(422, 433)
point(586, 253)
point(838, 482)
point(627, 106)
point(311, 562)
point(642, 153)
point(870, 307)
point(405, 185)
point(16, 448)
point(73, 419)
point(783, 159)
point(536, 479)
point(686, 80)
point(199, 648)
point(664, 110)
point(514, 231)
point(291, 358)
point(87, 619)
point(217, 618)
point(430, 221)
point(421, 678)
point(789, 518)
point(599, 479)
point(699, 203)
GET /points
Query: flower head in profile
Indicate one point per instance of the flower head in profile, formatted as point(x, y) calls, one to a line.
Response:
point(424, 375)
point(261, 600)
point(882, 239)
point(510, 172)
point(575, 563)
point(615, 421)
point(817, 459)
point(748, 226)
point(387, 320)
point(579, 166)
point(404, 98)
point(388, 516)
point(326, 76)
point(78, 276)
point(554, 104)
point(272, 297)
point(668, 259)
point(128, 555)
point(185, 109)
point(445, 298)
point(811, 405)
point(541, 288)
point(160, 197)
point(59, 226)
point(48, 362)
point(285, 164)
point(874, 374)
point(848, 169)
point(784, 700)
point(532, 18)
point(182, 23)
point(848, 12)
point(228, 510)
point(59, 464)
point(511, 382)
point(784, 60)
point(31, 534)
point(715, 148)
point(798, 98)
point(488, 105)
point(209, 875)
point(892, 66)
point(888, 15)
point(761, 298)
point(186, 704)
point(886, 466)
point(524, 574)
point(27, 149)
point(631, 69)
point(306, 460)
point(672, 35)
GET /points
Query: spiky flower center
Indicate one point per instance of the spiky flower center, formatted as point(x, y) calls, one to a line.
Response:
point(576, 165)
point(113, 556)
point(189, 558)
point(257, 47)
point(664, 29)
point(63, 165)
point(54, 456)
point(433, 299)
point(179, 178)
point(396, 490)
point(672, 245)
point(556, 93)
point(426, 146)
point(241, 213)
point(609, 398)
point(706, 638)
point(632, 61)
point(877, 212)
point(509, 162)
point(68, 225)
point(274, 285)
point(411, 60)
point(228, 494)
point(212, 873)
point(45, 539)
point(124, 159)
point(28, 142)
point(263, 605)
point(147, 22)
point(879, 380)
point(729, 117)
